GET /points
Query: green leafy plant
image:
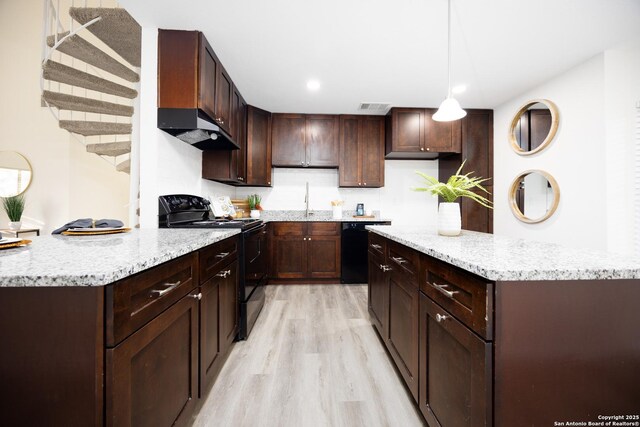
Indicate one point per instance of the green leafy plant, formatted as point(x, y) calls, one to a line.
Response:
point(14, 206)
point(254, 201)
point(457, 186)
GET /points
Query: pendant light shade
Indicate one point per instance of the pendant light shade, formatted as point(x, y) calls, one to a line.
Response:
point(450, 108)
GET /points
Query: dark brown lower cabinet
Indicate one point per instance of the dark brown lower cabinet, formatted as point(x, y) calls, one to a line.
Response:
point(455, 371)
point(152, 376)
point(404, 305)
point(302, 250)
point(210, 357)
point(378, 295)
point(228, 305)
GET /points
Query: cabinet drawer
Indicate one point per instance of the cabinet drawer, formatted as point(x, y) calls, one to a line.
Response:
point(134, 301)
point(324, 228)
point(404, 260)
point(468, 297)
point(377, 244)
point(289, 228)
point(216, 256)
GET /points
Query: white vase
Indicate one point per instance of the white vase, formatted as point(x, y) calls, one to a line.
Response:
point(337, 212)
point(449, 222)
point(15, 225)
point(255, 213)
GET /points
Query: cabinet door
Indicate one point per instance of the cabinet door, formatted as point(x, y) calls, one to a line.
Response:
point(239, 162)
point(407, 130)
point(210, 360)
point(378, 295)
point(372, 151)
point(404, 306)
point(152, 376)
point(228, 305)
point(258, 147)
point(323, 256)
point(322, 143)
point(224, 94)
point(207, 78)
point(441, 137)
point(455, 370)
point(288, 140)
point(178, 84)
point(349, 167)
point(289, 257)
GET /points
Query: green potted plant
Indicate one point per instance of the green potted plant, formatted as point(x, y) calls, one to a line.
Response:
point(254, 205)
point(14, 206)
point(458, 185)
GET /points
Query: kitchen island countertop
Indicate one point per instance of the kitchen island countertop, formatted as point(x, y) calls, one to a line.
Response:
point(503, 258)
point(98, 260)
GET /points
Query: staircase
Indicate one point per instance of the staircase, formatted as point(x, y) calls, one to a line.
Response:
point(89, 75)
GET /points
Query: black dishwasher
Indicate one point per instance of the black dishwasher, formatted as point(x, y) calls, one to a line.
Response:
point(354, 251)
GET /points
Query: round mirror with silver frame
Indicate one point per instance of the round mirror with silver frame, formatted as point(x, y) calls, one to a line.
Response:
point(534, 126)
point(15, 173)
point(534, 196)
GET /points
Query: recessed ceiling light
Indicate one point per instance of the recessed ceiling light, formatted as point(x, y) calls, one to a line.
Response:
point(458, 89)
point(313, 85)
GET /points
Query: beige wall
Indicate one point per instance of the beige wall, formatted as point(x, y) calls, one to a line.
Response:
point(68, 182)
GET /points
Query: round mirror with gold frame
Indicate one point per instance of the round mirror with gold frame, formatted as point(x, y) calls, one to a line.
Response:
point(15, 173)
point(534, 126)
point(534, 196)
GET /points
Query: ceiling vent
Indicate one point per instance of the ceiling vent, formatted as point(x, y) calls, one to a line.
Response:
point(374, 107)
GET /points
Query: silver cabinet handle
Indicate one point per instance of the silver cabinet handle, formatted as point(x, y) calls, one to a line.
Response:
point(441, 317)
point(375, 246)
point(223, 273)
point(385, 268)
point(302, 162)
point(169, 287)
point(399, 259)
point(197, 296)
point(442, 288)
point(222, 254)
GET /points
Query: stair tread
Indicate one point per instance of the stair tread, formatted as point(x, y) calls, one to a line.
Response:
point(81, 49)
point(88, 128)
point(55, 71)
point(64, 101)
point(124, 166)
point(117, 148)
point(117, 29)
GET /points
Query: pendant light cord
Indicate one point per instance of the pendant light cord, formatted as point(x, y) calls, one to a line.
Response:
point(449, 50)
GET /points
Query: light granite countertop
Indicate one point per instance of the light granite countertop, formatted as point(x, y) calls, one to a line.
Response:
point(322, 216)
point(98, 260)
point(508, 259)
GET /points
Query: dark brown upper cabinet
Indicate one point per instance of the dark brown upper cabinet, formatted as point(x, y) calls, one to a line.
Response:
point(191, 76)
point(413, 134)
point(305, 140)
point(361, 151)
point(251, 164)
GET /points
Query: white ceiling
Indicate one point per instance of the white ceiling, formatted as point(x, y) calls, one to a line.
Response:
point(394, 50)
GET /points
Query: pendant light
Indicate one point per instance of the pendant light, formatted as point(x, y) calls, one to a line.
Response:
point(449, 109)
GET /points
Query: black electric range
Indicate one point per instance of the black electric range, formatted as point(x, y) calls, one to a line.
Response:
point(187, 211)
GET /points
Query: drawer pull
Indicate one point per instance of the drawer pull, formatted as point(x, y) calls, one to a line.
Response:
point(222, 254)
point(375, 246)
point(441, 317)
point(442, 288)
point(169, 287)
point(223, 273)
point(399, 259)
point(385, 268)
point(197, 296)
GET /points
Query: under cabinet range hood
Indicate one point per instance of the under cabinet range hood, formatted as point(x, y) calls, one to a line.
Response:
point(195, 128)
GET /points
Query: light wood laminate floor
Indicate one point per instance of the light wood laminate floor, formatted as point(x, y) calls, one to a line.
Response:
point(313, 359)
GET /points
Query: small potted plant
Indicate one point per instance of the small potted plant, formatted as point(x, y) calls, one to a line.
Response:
point(14, 206)
point(254, 205)
point(458, 185)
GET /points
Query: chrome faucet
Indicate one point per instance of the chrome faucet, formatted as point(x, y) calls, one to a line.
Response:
point(306, 200)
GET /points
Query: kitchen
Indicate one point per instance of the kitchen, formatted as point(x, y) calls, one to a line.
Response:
point(595, 91)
